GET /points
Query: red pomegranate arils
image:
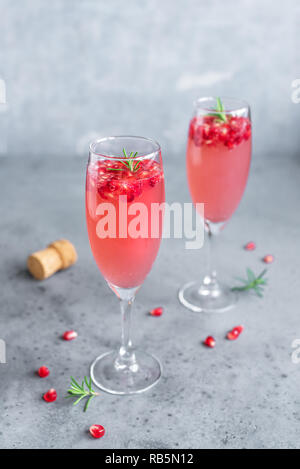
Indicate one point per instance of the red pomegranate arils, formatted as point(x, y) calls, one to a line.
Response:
point(268, 259)
point(50, 395)
point(235, 333)
point(97, 431)
point(210, 342)
point(157, 312)
point(251, 246)
point(239, 329)
point(208, 130)
point(70, 335)
point(43, 372)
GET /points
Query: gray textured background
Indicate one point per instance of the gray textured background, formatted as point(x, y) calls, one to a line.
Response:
point(76, 69)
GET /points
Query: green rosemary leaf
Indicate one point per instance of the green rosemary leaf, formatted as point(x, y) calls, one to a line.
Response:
point(75, 384)
point(250, 275)
point(74, 392)
point(88, 384)
point(115, 169)
point(262, 274)
point(78, 400)
point(88, 403)
point(220, 111)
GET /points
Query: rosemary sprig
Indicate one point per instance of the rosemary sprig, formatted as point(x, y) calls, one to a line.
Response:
point(253, 283)
point(220, 111)
point(130, 164)
point(80, 392)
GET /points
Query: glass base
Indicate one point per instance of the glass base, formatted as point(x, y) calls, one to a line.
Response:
point(207, 297)
point(114, 377)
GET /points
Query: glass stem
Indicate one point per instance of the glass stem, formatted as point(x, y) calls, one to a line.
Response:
point(126, 356)
point(210, 258)
point(210, 279)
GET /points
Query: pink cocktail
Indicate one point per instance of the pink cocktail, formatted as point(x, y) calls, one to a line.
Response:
point(124, 181)
point(124, 261)
point(218, 161)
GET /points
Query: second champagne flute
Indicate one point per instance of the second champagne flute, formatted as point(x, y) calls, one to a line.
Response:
point(218, 161)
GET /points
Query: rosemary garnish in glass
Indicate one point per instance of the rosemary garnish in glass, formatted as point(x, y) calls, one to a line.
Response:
point(130, 164)
point(220, 111)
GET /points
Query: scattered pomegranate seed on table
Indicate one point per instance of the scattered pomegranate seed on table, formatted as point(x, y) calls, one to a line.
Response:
point(97, 431)
point(50, 395)
point(157, 312)
point(43, 372)
point(70, 335)
point(251, 246)
point(210, 342)
point(268, 259)
point(235, 333)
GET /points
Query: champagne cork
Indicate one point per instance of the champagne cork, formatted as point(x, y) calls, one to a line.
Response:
point(58, 255)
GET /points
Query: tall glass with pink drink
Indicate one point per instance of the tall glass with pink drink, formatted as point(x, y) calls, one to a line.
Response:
point(218, 162)
point(124, 180)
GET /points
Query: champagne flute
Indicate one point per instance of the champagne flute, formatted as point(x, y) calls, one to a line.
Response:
point(218, 161)
point(124, 179)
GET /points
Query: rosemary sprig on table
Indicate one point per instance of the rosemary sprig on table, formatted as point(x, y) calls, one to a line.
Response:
point(130, 164)
point(253, 283)
point(80, 392)
point(220, 111)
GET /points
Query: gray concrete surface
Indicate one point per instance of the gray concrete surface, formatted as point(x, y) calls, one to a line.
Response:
point(76, 69)
point(243, 394)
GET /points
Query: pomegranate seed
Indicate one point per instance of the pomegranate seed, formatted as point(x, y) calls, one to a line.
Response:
point(97, 431)
point(251, 246)
point(239, 329)
point(70, 335)
point(235, 333)
point(50, 395)
point(43, 372)
point(157, 312)
point(229, 144)
point(112, 185)
point(154, 179)
point(268, 259)
point(130, 197)
point(210, 342)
